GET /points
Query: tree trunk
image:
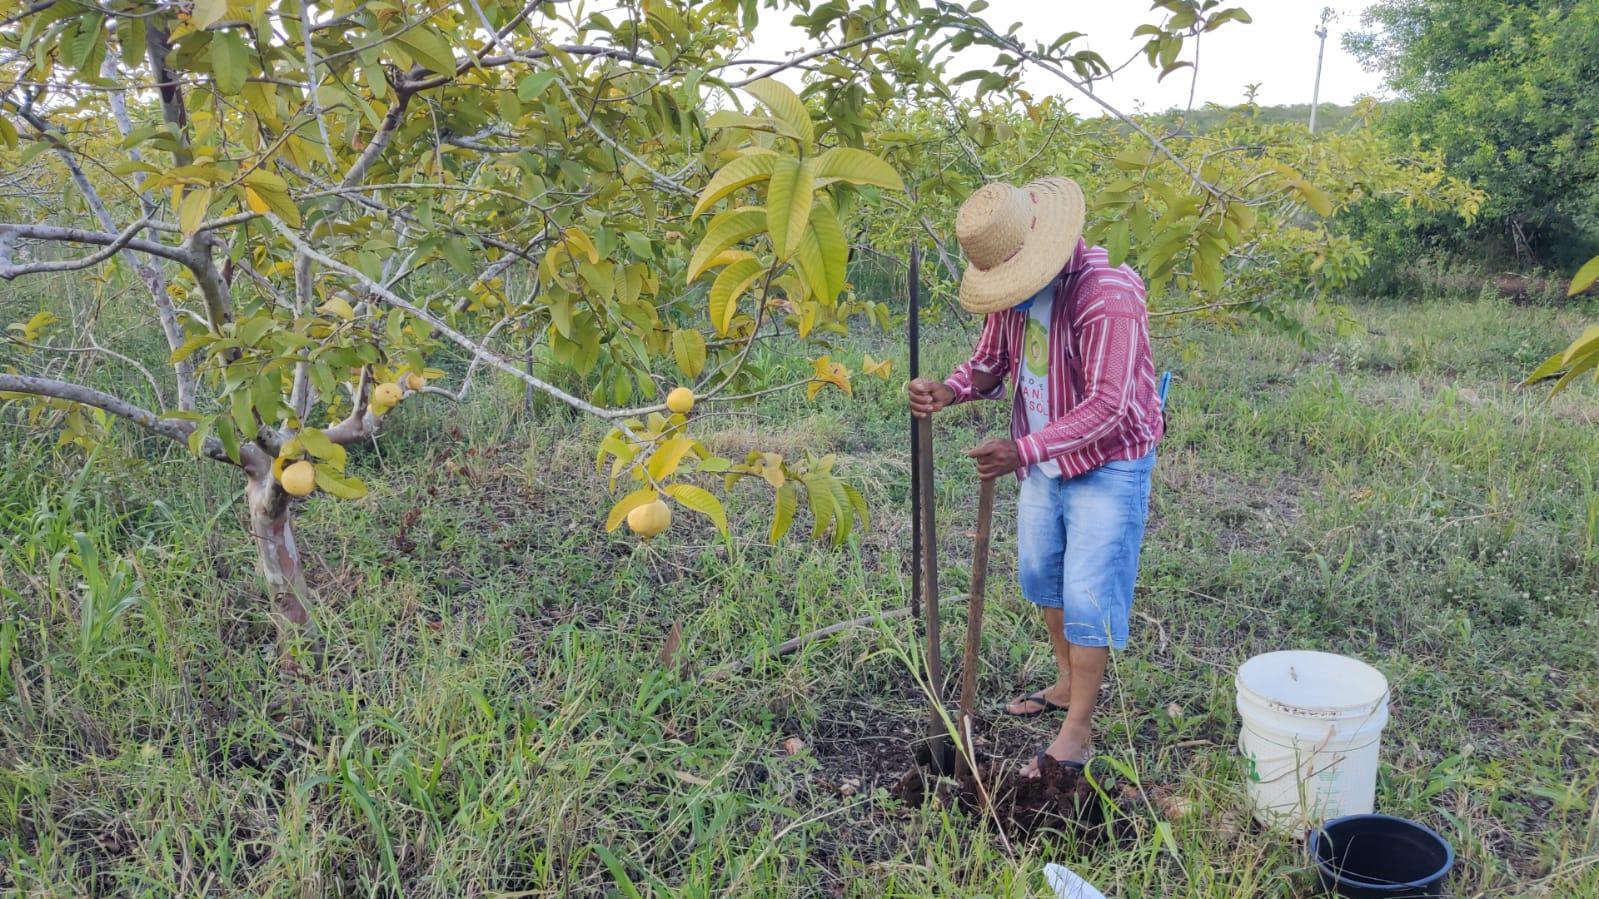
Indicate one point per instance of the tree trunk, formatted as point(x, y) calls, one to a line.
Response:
point(272, 527)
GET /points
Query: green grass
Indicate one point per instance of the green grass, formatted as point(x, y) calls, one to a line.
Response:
point(494, 718)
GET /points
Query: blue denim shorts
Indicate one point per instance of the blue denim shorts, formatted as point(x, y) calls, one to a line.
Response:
point(1078, 541)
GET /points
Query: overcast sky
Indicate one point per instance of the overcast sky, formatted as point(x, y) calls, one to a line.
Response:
point(1277, 50)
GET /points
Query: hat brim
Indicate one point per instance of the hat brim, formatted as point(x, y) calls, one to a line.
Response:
point(1056, 228)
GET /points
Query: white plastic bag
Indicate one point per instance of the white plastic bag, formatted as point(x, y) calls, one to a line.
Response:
point(1067, 885)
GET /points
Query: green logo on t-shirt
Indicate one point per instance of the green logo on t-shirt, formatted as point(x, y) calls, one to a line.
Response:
point(1035, 348)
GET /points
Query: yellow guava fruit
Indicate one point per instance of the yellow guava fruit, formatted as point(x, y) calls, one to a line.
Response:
point(649, 519)
point(386, 395)
point(680, 400)
point(298, 479)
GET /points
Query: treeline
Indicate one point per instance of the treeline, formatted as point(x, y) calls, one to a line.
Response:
point(1509, 94)
point(1330, 117)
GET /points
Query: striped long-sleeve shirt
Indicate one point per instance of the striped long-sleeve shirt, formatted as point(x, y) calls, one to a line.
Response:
point(1103, 400)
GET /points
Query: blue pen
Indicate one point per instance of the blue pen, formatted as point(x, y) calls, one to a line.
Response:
point(1165, 384)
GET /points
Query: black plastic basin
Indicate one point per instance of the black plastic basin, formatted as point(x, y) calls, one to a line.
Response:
point(1380, 857)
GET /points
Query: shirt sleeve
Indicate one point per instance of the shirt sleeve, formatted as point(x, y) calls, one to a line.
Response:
point(990, 357)
point(1109, 348)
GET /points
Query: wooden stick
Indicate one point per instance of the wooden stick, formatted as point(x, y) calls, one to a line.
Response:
point(974, 611)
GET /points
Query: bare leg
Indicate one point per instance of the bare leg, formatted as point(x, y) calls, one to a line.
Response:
point(1059, 692)
point(1077, 731)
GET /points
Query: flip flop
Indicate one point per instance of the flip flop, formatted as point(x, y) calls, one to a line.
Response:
point(1037, 697)
point(1038, 761)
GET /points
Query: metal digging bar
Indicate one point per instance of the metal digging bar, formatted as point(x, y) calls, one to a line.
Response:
point(937, 751)
point(913, 326)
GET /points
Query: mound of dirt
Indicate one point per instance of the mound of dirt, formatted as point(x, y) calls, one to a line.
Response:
point(1061, 798)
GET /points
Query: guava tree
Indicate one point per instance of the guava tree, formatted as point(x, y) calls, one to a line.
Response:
point(318, 200)
point(1261, 225)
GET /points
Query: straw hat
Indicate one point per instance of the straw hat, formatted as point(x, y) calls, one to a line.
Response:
point(1017, 240)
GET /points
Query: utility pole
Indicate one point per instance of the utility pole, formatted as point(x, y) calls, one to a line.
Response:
point(1327, 15)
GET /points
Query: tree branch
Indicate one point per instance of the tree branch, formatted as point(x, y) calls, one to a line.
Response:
point(310, 88)
point(807, 57)
point(8, 271)
point(93, 238)
point(437, 324)
point(662, 181)
point(380, 140)
point(150, 270)
point(93, 347)
point(175, 429)
point(964, 21)
point(491, 62)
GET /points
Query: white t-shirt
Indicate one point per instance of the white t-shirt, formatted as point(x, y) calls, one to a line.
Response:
point(1033, 382)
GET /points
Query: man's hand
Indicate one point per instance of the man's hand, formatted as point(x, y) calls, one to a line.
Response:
point(928, 396)
point(996, 456)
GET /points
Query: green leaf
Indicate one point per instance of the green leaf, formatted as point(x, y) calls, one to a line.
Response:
point(190, 346)
point(1585, 277)
point(726, 229)
point(664, 461)
point(82, 49)
point(207, 13)
point(728, 287)
point(641, 497)
point(335, 484)
point(533, 86)
point(1116, 239)
point(1316, 198)
point(700, 500)
point(1587, 342)
point(789, 198)
point(1584, 364)
point(856, 167)
point(713, 465)
point(812, 266)
point(783, 513)
point(229, 437)
point(429, 48)
point(133, 46)
point(741, 172)
point(317, 444)
point(688, 349)
point(279, 201)
point(191, 211)
point(561, 315)
point(858, 503)
point(202, 430)
point(229, 61)
point(787, 109)
point(458, 253)
point(823, 509)
point(242, 408)
point(831, 245)
point(732, 118)
point(842, 503)
point(8, 134)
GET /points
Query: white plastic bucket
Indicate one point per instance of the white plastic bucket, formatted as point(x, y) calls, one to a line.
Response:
point(1312, 723)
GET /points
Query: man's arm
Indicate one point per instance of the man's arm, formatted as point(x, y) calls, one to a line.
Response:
point(979, 377)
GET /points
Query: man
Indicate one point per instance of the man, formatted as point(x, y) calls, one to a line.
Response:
point(1072, 333)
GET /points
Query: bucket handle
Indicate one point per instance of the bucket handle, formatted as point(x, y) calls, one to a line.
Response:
point(1296, 755)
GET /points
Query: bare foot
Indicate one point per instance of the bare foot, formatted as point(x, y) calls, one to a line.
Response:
point(1070, 745)
point(1037, 702)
